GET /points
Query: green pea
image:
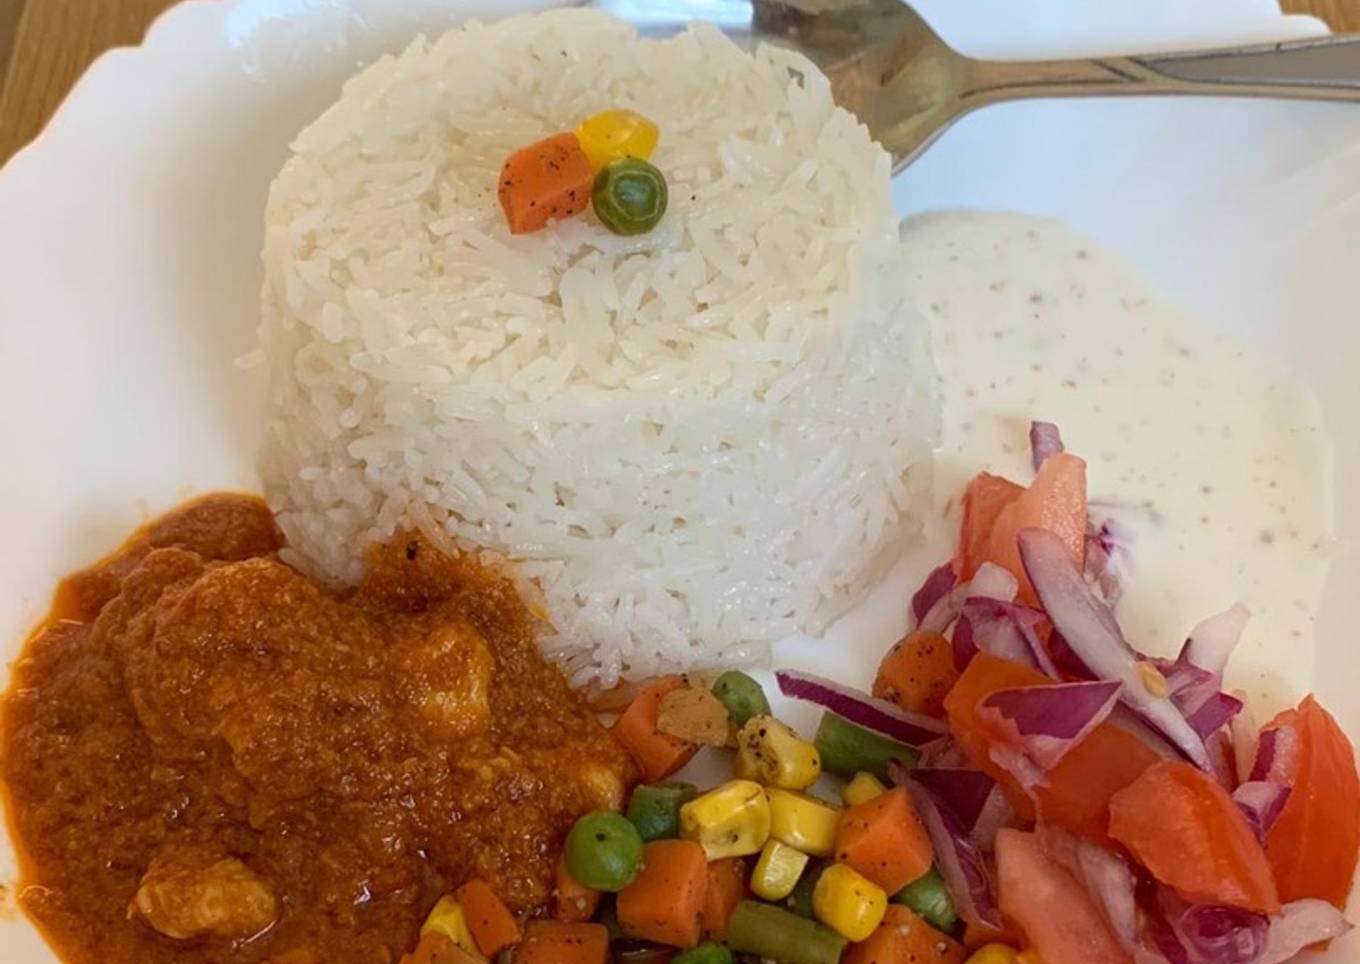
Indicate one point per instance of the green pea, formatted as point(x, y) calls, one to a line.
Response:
point(929, 898)
point(705, 953)
point(742, 696)
point(604, 851)
point(655, 809)
point(629, 196)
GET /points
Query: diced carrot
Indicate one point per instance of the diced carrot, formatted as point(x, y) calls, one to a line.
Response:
point(884, 840)
point(665, 902)
point(550, 179)
point(492, 925)
point(657, 754)
point(1186, 830)
point(725, 889)
point(435, 948)
point(573, 902)
point(1056, 913)
point(983, 501)
point(1314, 842)
point(904, 938)
point(556, 942)
point(1056, 501)
point(1079, 788)
point(917, 673)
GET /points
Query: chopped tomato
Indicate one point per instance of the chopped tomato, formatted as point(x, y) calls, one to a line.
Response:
point(1055, 912)
point(1314, 842)
point(1183, 826)
point(1079, 788)
point(983, 501)
point(1056, 501)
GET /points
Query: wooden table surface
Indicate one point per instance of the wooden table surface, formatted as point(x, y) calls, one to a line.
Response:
point(46, 44)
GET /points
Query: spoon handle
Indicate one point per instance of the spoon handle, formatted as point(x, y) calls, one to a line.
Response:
point(1324, 68)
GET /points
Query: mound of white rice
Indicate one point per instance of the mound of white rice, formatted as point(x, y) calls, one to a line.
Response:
point(695, 441)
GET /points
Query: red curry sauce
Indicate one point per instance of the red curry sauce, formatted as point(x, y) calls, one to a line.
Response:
point(211, 757)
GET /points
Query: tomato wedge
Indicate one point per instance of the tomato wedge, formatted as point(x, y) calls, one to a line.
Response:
point(1184, 827)
point(983, 501)
point(1050, 906)
point(1079, 788)
point(1314, 843)
point(1056, 501)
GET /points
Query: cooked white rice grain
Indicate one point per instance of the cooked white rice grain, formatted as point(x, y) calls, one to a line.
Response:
point(695, 441)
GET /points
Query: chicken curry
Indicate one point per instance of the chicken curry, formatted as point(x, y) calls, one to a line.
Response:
point(210, 757)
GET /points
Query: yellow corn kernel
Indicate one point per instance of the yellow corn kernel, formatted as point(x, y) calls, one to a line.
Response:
point(770, 752)
point(614, 134)
point(731, 821)
point(446, 917)
point(777, 871)
point(864, 787)
point(849, 904)
point(994, 954)
point(803, 822)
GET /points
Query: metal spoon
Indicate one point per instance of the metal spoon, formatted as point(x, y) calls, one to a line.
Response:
point(891, 69)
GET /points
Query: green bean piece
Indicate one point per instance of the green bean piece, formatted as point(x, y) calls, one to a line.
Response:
point(929, 899)
point(629, 196)
point(742, 696)
point(655, 809)
point(800, 898)
point(608, 915)
point(604, 851)
point(775, 933)
point(847, 748)
point(705, 953)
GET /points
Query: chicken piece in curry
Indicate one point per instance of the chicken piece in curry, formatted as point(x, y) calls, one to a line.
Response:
point(210, 757)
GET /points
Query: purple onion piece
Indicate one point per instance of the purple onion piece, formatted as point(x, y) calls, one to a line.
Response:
point(1005, 630)
point(1045, 722)
point(1222, 935)
point(993, 582)
point(1109, 546)
point(1044, 440)
point(962, 643)
point(938, 584)
point(1261, 801)
point(945, 610)
point(860, 708)
point(958, 858)
point(1214, 714)
point(1067, 662)
point(997, 813)
point(1211, 642)
point(1277, 749)
point(1301, 924)
point(1089, 628)
point(963, 790)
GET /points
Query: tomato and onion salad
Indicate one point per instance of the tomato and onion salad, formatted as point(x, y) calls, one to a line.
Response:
point(1021, 786)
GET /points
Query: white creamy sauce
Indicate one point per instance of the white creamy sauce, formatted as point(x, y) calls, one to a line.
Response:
point(1216, 462)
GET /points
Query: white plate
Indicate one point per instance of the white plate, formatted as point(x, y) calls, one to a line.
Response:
point(129, 232)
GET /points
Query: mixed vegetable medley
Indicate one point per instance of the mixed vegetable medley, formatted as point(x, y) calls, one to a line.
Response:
point(602, 164)
point(1023, 786)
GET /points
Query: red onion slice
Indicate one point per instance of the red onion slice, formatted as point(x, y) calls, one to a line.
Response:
point(1214, 714)
point(938, 584)
point(993, 582)
point(962, 789)
point(1005, 630)
point(1044, 440)
point(1277, 750)
point(1301, 924)
point(1261, 801)
point(1045, 722)
point(1222, 935)
point(1089, 628)
point(1211, 642)
point(1109, 546)
point(860, 708)
point(958, 858)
